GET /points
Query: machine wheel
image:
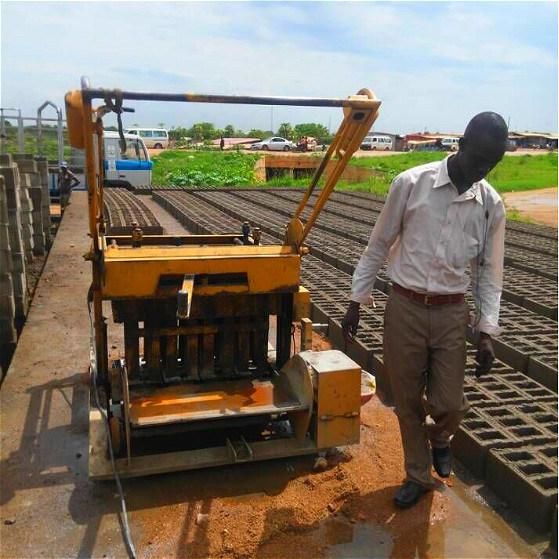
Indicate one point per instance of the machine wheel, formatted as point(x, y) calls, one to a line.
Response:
point(286, 148)
point(158, 146)
point(264, 148)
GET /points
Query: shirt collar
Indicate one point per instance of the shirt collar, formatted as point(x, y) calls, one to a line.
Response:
point(443, 179)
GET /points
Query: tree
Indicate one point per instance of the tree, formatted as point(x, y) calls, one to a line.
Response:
point(178, 133)
point(161, 125)
point(229, 131)
point(285, 130)
point(318, 131)
point(203, 131)
point(257, 133)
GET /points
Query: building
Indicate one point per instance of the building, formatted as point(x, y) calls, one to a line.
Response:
point(536, 140)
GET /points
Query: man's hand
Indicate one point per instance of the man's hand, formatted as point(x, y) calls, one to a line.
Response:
point(485, 354)
point(350, 321)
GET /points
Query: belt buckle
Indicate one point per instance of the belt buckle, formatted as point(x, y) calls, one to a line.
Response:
point(426, 300)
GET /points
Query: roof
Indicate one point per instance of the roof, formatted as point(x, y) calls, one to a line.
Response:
point(545, 135)
point(430, 136)
point(139, 128)
point(420, 142)
point(113, 134)
point(235, 141)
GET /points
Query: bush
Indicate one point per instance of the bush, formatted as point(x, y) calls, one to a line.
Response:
point(204, 168)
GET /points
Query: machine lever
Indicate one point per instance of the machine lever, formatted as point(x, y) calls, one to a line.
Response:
point(184, 297)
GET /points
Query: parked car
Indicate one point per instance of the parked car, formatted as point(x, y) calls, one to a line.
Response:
point(274, 143)
point(450, 144)
point(377, 142)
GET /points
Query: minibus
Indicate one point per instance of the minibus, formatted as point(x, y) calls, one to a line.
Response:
point(157, 138)
point(384, 143)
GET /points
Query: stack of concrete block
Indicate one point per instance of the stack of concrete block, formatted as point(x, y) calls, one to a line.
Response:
point(22, 161)
point(43, 168)
point(30, 176)
point(9, 171)
point(8, 334)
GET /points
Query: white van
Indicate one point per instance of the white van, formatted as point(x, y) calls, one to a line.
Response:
point(378, 142)
point(153, 137)
point(131, 168)
point(450, 144)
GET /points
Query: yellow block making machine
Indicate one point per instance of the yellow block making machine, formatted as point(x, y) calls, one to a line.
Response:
point(197, 384)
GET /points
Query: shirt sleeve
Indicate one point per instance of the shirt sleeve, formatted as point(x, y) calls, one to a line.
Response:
point(386, 230)
point(487, 279)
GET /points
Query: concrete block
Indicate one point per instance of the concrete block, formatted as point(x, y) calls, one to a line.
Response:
point(525, 481)
point(473, 441)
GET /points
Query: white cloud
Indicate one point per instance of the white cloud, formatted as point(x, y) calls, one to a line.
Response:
point(431, 66)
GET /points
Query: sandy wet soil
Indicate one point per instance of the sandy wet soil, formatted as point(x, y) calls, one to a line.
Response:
point(537, 205)
point(276, 509)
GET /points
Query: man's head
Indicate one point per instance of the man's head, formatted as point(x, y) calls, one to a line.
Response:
point(64, 166)
point(483, 145)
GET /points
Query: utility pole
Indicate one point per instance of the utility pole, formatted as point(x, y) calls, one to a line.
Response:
point(272, 119)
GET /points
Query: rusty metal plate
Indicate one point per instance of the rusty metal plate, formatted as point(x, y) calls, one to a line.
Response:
point(194, 402)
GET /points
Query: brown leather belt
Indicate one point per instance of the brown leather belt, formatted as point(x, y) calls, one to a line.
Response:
point(450, 299)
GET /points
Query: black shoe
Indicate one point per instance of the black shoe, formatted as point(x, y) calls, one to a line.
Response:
point(442, 461)
point(409, 494)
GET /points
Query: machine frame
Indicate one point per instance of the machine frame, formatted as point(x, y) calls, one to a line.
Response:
point(143, 275)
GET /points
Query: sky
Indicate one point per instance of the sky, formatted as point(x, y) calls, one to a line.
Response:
point(433, 64)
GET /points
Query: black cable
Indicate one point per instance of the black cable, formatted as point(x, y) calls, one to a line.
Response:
point(93, 371)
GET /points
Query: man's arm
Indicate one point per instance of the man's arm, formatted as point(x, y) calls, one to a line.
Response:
point(75, 180)
point(487, 286)
point(387, 228)
point(385, 231)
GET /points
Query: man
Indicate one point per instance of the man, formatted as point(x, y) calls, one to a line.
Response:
point(66, 181)
point(437, 219)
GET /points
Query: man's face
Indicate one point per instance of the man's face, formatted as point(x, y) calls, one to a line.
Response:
point(478, 156)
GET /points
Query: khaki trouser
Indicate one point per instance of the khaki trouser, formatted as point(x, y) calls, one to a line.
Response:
point(425, 359)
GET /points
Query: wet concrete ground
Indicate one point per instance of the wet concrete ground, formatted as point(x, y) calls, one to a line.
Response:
point(276, 509)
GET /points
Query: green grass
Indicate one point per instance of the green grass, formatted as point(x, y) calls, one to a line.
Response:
point(513, 173)
point(525, 172)
point(514, 215)
point(190, 169)
point(49, 141)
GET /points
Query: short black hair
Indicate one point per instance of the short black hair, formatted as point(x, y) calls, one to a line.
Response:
point(490, 123)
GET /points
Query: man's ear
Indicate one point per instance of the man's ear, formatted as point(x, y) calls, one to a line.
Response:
point(461, 143)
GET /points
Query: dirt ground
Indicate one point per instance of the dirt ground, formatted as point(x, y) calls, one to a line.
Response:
point(276, 509)
point(537, 205)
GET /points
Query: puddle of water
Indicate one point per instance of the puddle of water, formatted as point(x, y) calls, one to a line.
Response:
point(350, 541)
point(478, 531)
point(470, 530)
